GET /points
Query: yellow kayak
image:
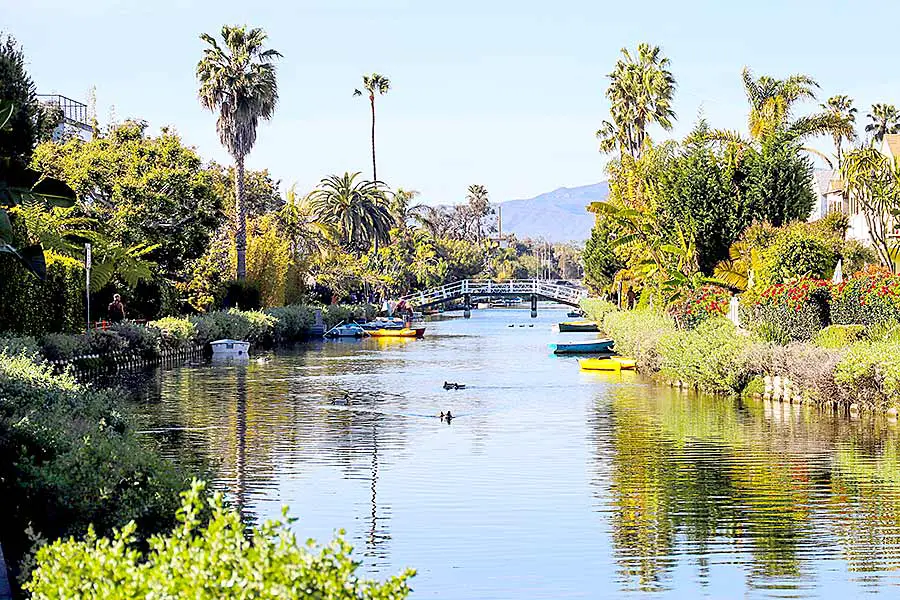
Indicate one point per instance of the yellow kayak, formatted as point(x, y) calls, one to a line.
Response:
point(406, 332)
point(614, 363)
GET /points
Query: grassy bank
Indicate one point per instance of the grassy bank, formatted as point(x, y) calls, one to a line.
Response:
point(261, 328)
point(845, 367)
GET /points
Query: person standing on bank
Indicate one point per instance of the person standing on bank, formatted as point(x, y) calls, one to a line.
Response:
point(116, 309)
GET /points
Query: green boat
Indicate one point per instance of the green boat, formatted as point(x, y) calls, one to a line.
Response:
point(593, 347)
point(578, 327)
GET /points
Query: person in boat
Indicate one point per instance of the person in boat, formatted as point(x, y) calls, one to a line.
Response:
point(448, 416)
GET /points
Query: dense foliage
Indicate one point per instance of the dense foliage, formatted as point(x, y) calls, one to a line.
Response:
point(698, 305)
point(70, 459)
point(869, 297)
point(226, 561)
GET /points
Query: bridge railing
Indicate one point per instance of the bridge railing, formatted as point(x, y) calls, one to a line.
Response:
point(541, 287)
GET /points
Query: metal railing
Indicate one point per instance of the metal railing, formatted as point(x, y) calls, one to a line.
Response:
point(565, 294)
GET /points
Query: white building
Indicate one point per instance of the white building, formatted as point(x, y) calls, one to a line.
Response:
point(829, 190)
point(75, 117)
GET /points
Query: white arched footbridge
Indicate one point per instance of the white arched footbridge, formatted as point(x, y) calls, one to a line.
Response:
point(543, 289)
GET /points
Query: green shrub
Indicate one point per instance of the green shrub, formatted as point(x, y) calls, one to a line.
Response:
point(798, 308)
point(251, 326)
point(141, 340)
point(637, 333)
point(175, 332)
point(884, 331)
point(207, 561)
point(710, 357)
point(596, 309)
point(29, 306)
point(798, 252)
point(868, 297)
point(20, 345)
point(870, 374)
point(70, 459)
point(697, 305)
point(839, 336)
point(291, 322)
point(60, 346)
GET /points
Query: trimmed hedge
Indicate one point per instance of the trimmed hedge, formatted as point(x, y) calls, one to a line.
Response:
point(791, 311)
point(868, 297)
point(711, 356)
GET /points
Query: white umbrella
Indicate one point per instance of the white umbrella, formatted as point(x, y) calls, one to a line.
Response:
point(838, 276)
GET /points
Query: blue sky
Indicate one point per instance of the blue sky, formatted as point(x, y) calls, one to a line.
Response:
point(502, 93)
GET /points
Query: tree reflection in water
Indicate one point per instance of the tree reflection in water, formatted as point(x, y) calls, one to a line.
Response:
point(718, 479)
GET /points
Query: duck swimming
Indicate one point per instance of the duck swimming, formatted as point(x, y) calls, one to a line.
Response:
point(453, 386)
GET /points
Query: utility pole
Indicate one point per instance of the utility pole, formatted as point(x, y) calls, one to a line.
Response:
point(87, 283)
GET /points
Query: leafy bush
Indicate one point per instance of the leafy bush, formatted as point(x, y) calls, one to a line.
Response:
point(798, 252)
point(26, 345)
point(637, 333)
point(697, 305)
point(34, 307)
point(207, 561)
point(175, 332)
point(291, 322)
point(70, 459)
point(60, 346)
point(252, 326)
point(870, 373)
point(869, 296)
point(798, 308)
point(884, 331)
point(596, 309)
point(839, 336)
point(710, 357)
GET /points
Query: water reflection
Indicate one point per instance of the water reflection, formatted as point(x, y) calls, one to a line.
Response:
point(719, 480)
point(550, 482)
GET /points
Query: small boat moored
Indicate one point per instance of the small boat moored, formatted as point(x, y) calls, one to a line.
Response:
point(613, 363)
point(345, 330)
point(592, 347)
point(230, 348)
point(578, 326)
point(404, 332)
point(575, 314)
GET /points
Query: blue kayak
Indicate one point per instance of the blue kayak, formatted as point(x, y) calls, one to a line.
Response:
point(592, 347)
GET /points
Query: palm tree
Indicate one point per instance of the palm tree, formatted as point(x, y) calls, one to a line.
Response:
point(885, 120)
point(479, 207)
point(358, 210)
point(400, 206)
point(374, 83)
point(641, 91)
point(841, 107)
point(772, 102)
point(238, 80)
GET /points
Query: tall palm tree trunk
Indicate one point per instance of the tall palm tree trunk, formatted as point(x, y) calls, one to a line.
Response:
point(240, 215)
point(372, 102)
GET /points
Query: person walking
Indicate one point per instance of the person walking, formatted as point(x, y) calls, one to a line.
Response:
point(116, 310)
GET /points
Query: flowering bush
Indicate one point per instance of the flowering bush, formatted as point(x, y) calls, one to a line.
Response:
point(798, 308)
point(869, 296)
point(698, 305)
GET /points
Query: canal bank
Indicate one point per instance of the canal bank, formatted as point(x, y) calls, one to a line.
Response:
point(551, 481)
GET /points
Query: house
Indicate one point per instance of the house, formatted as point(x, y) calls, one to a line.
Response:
point(831, 196)
point(75, 119)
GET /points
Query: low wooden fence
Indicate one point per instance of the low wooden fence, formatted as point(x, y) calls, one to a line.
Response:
point(94, 364)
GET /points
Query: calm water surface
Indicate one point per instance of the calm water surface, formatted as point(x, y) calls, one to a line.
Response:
point(551, 482)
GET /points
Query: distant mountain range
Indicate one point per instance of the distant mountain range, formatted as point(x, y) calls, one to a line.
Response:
point(557, 216)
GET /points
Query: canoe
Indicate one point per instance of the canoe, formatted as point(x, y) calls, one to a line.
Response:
point(614, 363)
point(578, 326)
point(592, 347)
point(405, 332)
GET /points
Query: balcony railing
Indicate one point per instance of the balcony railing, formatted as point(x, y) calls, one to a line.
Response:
point(75, 113)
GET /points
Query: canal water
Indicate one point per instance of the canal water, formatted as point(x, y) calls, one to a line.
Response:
point(550, 482)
